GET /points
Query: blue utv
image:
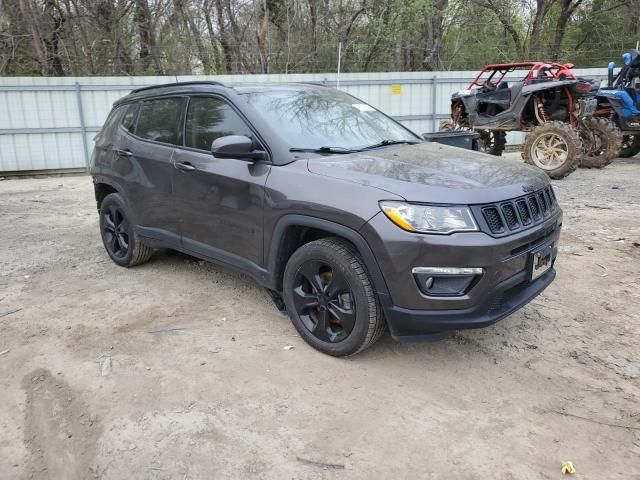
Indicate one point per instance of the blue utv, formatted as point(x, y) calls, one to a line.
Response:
point(620, 101)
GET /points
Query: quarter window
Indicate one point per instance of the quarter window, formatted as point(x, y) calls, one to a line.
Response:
point(111, 122)
point(129, 118)
point(209, 118)
point(159, 120)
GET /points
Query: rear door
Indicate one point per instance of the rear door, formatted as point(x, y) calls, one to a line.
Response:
point(219, 201)
point(147, 169)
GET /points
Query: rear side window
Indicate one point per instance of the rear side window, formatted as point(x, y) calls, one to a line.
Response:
point(209, 118)
point(111, 123)
point(158, 120)
point(129, 118)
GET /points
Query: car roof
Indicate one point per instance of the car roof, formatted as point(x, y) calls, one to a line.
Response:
point(214, 86)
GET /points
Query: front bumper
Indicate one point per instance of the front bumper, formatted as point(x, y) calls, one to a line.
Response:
point(509, 296)
point(501, 290)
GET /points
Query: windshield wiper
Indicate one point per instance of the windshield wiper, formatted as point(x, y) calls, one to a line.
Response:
point(384, 143)
point(324, 150)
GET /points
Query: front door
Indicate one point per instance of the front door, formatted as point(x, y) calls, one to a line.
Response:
point(219, 201)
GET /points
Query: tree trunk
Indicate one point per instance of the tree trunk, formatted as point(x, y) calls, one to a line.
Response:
point(261, 35)
point(535, 48)
point(567, 8)
point(208, 16)
point(504, 15)
point(148, 58)
point(434, 24)
point(313, 15)
point(227, 53)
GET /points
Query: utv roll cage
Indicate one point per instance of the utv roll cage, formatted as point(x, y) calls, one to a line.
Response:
point(628, 73)
point(492, 76)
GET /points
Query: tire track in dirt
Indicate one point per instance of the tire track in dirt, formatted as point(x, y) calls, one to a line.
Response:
point(59, 432)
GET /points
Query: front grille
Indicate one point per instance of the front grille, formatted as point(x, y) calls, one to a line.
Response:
point(510, 216)
point(519, 213)
point(525, 216)
point(493, 219)
point(535, 209)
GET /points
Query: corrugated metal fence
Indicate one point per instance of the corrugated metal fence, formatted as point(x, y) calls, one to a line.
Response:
point(48, 123)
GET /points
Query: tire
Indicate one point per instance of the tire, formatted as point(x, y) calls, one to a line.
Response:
point(571, 146)
point(345, 317)
point(492, 142)
point(630, 146)
point(601, 144)
point(118, 236)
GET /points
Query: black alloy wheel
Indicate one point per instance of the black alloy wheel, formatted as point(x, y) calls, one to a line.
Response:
point(330, 298)
point(115, 231)
point(324, 301)
point(118, 235)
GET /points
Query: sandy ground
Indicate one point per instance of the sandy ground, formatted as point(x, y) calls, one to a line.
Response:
point(87, 391)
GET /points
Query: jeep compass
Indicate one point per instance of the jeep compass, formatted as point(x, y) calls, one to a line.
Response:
point(351, 221)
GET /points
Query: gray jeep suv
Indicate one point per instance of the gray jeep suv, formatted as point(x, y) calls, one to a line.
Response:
point(349, 219)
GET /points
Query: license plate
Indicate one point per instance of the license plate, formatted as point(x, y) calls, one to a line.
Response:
point(541, 261)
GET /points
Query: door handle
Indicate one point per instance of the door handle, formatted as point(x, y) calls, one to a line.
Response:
point(122, 153)
point(185, 166)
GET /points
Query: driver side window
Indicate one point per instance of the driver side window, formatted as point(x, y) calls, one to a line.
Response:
point(209, 118)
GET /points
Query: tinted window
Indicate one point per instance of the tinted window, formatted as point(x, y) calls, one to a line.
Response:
point(129, 118)
point(111, 122)
point(158, 120)
point(326, 118)
point(209, 118)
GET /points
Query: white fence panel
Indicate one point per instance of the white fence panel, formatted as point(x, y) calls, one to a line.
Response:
point(48, 123)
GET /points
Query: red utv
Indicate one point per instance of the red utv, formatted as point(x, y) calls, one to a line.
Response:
point(547, 101)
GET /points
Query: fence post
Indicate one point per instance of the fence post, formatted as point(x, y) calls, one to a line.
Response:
point(83, 126)
point(434, 99)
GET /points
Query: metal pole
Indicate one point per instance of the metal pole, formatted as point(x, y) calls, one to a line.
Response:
point(434, 99)
point(83, 127)
point(339, 61)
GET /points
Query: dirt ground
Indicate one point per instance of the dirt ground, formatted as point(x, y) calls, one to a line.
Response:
point(95, 384)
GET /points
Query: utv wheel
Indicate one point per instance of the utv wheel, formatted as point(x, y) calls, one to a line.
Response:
point(119, 239)
point(492, 142)
point(330, 299)
point(601, 143)
point(554, 147)
point(630, 146)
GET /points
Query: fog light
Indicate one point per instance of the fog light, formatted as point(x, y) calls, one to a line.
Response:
point(445, 280)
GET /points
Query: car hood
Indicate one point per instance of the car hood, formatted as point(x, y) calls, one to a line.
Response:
point(433, 173)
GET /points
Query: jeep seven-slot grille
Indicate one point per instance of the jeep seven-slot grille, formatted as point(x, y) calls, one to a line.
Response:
point(519, 213)
point(493, 219)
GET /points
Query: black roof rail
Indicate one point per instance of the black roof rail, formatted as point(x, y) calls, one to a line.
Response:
point(179, 84)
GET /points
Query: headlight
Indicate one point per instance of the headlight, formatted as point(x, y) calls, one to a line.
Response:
point(429, 218)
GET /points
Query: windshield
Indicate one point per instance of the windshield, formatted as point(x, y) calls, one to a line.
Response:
point(312, 119)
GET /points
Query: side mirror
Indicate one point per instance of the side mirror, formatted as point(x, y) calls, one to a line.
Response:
point(237, 147)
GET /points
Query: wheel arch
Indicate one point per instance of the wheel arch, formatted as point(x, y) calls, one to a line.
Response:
point(293, 231)
point(104, 186)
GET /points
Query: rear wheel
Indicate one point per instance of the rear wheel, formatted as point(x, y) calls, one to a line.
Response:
point(554, 147)
point(492, 142)
point(630, 146)
point(118, 236)
point(601, 143)
point(330, 299)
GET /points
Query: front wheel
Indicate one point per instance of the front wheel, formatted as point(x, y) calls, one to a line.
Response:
point(330, 298)
point(630, 146)
point(554, 147)
point(601, 142)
